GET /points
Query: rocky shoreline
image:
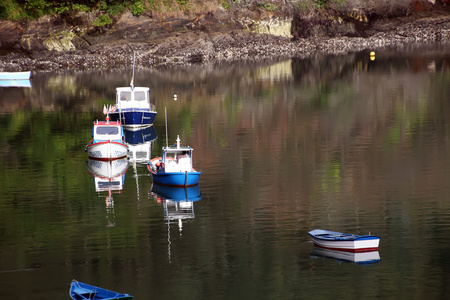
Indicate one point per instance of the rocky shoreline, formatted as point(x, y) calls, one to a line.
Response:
point(213, 37)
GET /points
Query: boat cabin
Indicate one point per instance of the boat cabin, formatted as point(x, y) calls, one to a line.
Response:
point(107, 131)
point(137, 97)
point(178, 160)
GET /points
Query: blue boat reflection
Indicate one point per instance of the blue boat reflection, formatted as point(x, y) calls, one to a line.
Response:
point(178, 202)
point(346, 256)
point(139, 143)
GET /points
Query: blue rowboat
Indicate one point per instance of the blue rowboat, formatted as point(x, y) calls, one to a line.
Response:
point(83, 291)
point(344, 241)
point(174, 168)
point(15, 75)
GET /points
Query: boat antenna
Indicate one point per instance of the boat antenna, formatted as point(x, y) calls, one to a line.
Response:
point(167, 137)
point(134, 64)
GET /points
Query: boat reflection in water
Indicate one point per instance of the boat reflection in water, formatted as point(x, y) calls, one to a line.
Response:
point(178, 202)
point(178, 205)
point(139, 150)
point(109, 176)
point(139, 143)
point(346, 256)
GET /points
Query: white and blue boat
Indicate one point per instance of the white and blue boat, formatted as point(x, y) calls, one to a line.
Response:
point(344, 241)
point(174, 167)
point(133, 108)
point(107, 142)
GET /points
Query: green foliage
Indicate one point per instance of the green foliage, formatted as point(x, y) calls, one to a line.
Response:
point(322, 3)
point(137, 8)
point(10, 10)
point(37, 8)
point(80, 7)
point(267, 5)
point(152, 4)
point(61, 9)
point(182, 2)
point(225, 4)
point(102, 20)
point(114, 9)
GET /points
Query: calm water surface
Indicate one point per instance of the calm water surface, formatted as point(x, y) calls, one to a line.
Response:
point(338, 142)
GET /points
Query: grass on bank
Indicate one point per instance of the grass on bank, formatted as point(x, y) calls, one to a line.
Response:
point(20, 10)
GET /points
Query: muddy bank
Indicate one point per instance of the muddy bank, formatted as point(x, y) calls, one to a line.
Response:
point(70, 43)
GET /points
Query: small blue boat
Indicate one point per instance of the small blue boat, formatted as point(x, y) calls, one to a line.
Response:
point(83, 291)
point(174, 168)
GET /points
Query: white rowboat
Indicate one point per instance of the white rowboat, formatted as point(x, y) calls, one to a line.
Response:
point(344, 241)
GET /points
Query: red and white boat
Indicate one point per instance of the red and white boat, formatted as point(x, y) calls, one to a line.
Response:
point(107, 141)
point(344, 241)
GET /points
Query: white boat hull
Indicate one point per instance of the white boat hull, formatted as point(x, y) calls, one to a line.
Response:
point(15, 75)
point(107, 150)
point(343, 241)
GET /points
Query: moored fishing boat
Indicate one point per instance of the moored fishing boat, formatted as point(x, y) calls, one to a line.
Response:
point(84, 291)
point(133, 108)
point(344, 241)
point(107, 141)
point(174, 168)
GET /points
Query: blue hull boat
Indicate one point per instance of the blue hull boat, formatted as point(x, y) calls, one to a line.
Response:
point(134, 117)
point(83, 291)
point(174, 168)
point(177, 178)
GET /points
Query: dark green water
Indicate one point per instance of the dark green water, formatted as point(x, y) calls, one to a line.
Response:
point(340, 143)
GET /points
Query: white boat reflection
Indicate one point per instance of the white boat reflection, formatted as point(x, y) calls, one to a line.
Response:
point(109, 176)
point(346, 256)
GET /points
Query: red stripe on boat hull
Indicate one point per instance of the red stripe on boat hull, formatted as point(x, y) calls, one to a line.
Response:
point(349, 250)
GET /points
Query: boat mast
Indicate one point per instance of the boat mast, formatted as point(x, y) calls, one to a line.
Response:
point(167, 137)
point(134, 64)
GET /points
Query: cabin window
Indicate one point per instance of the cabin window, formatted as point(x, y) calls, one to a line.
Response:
point(107, 130)
point(139, 96)
point(125, 96)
